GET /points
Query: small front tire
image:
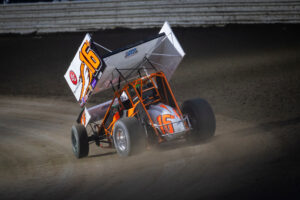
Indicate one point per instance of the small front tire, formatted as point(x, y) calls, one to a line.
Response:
point(80, 143)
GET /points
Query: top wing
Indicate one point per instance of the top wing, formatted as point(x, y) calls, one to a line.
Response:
point(161, 53)
point(89, 73)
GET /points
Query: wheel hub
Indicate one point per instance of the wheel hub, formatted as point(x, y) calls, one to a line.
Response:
point(121, 140)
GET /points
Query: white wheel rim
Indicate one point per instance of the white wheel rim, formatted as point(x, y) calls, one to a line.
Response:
point(121, 140)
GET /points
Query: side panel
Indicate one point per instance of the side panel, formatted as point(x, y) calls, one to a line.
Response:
point(171, 36)
point(84, 71)
point(98, 112)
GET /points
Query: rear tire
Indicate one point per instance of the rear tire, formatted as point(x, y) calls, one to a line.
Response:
point(202, 119)
point(129, 137)
point(80, 143)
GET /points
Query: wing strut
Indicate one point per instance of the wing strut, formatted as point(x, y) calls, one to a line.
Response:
point(103, 47)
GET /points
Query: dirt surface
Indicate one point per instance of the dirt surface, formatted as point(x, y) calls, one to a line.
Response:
point(250, 75)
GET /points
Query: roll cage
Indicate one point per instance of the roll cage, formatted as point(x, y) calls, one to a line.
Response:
point(141, 93)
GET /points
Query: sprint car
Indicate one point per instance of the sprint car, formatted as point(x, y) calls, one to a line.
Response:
point(143, 110)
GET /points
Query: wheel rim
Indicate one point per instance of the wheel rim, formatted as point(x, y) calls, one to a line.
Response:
point(74, 143)
point(121, 140)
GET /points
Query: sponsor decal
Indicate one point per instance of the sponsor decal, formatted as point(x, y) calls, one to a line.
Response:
point(94, 81)
point(73, 77)
point(131, 52)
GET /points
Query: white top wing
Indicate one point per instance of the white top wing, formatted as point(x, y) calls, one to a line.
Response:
point(88, 72)
point(161, 53)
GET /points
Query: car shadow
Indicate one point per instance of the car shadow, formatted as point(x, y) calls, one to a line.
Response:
point(102, 154)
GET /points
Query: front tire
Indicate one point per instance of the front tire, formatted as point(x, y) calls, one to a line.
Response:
point(202, 119)
point(80, 143)
point(128, 136)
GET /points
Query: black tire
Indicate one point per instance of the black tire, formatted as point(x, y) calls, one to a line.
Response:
point(129, 137)
point(80, 142)
point(202, 119)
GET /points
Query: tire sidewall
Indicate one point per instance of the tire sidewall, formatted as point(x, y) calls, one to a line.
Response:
point(80, 135)
point(135, 136)
point(202, 118)
point(74, 135)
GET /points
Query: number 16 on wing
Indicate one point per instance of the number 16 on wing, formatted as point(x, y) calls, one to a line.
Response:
point(84, 70)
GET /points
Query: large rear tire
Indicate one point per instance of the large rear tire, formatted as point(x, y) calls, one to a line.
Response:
point(129, 137)
point(202, 119)
point(80, 143)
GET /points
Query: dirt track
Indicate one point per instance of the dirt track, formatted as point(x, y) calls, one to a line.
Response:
point(251, 76)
